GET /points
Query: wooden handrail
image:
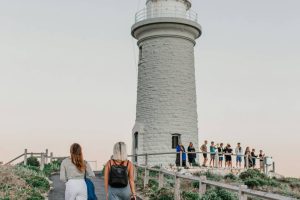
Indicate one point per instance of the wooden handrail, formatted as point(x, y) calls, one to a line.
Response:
point(242, 189)
point(15, 159)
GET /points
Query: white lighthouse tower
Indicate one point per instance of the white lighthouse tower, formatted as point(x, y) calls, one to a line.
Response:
point(166, 111)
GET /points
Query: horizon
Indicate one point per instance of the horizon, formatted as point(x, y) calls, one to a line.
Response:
point(68, 73)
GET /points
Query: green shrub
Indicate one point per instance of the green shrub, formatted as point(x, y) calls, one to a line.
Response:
point(195, 184)
point(252, 182)
point(219, 194)
point(190, 196)
point(39, 183)
point(33, 168)
point(252, 173)
point(153, 184)
point(34, 195)
point(51, 168)
point(213, 177)
point(162, 194)
point(33, 161)
point(230, 177)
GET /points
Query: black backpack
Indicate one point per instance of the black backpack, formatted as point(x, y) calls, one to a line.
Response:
point(118, 175)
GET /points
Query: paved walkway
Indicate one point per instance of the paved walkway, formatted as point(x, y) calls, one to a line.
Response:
point(58, 193)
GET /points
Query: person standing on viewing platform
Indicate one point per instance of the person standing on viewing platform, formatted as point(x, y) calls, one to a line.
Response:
point(221, 154)
point(203, 148)
point(228, 156)
point(191, 154)
point(180, 148)
point(247, 157)
point(212, 150)
point(239, 154)
point(73, 171)
point(119, 175)
point(253, 157)
point(261, 160)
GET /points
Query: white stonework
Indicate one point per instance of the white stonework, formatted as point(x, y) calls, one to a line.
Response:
point(166, 94)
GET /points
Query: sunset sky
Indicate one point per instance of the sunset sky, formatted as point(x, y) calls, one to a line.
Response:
point(68, 73)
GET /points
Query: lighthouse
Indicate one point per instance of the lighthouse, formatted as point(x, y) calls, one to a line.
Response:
point(166, 109)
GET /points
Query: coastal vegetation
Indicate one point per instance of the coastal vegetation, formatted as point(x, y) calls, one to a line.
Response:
point(253, 178)
point(26, 182)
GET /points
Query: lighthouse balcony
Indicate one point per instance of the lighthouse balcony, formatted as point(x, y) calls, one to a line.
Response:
point(147, 13)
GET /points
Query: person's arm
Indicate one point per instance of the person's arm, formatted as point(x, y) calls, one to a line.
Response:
point(106, 175)
point(63, 176)
point(89, 170)
point(131, 178)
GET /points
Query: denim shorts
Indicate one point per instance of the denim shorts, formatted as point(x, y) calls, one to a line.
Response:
point(238, 158)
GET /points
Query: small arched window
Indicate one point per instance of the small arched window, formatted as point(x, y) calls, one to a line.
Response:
point(175, 140)
point(136, 140)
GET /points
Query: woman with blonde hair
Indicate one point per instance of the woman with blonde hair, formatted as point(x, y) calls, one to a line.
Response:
point(73, 171)
point(119, 175)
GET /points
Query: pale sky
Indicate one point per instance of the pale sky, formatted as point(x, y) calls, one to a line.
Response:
point(68, 74)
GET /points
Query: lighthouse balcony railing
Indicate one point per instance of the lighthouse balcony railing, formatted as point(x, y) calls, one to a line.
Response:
point(163, 12)
point(266, 165)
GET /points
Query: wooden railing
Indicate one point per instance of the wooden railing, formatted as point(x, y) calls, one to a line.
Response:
point(243, 191)
point(44, 157)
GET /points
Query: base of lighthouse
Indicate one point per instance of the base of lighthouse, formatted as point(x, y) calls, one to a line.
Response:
point(166, 112)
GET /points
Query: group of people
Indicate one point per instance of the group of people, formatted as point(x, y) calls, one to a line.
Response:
point(218, 154)
point(118, 175)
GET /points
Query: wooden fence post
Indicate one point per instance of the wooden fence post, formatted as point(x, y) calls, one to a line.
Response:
point(146, 159)
point(202, 185)
point(160, 179)
point(46, 156)
point(180, 154)
point(25, 157)
point(177, 188)
point(135, 172)
point(146, 177)
point(51, 157)
point(242, 195)
point(273, 167)
point(216, 160)
point(247, 161)
point(42, 161)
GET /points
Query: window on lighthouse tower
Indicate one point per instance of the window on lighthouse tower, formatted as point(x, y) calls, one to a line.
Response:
point(175, 140)
point(136, 139)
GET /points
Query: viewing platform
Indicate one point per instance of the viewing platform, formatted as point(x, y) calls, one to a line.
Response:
point(147, 13)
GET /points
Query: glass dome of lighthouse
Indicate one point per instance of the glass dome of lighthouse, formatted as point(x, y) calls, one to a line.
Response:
point(167, 8)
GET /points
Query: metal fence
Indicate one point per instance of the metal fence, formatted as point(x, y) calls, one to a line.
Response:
point(268, 163)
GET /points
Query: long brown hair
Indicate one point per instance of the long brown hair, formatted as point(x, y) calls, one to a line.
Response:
point(77, 157)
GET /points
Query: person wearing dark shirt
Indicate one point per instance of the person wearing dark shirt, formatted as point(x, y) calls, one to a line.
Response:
point(228, 157)
point(221, 154)
point(191, 154)
point(253, 157)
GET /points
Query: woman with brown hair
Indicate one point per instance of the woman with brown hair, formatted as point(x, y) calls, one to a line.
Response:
point(72, 171)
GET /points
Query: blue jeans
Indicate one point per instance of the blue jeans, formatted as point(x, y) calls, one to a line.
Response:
point(119, 193)
point(238, 158)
